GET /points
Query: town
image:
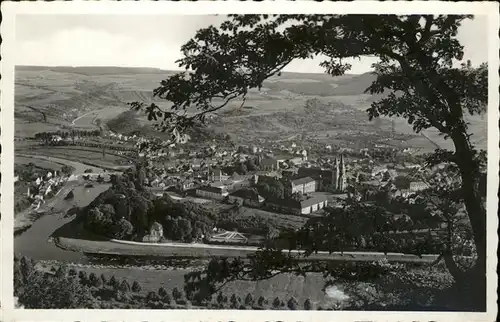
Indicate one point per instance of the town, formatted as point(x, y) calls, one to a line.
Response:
point(269, 181)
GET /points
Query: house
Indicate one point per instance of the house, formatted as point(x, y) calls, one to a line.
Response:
point(218, 175)
point(212, 192)
point(418, 186)
point(248, 197)
point(295, 207)
point(269, 164)
point(155, 233)
point(303, 185)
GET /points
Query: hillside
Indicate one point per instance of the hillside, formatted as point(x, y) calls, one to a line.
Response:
point(50, 98)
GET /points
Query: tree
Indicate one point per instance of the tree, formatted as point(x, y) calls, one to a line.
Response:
point(292, 304)
point(308, 305)
point(220, 299)
point(176, 294)
point(249, 300)
point(162, 292)
point(125, 286)
point(82, 275)
point(234, 301)
point(276, 303)
point(104, 279)
point(136, 287)
point(122, 229)
point(67, 170)
point(261, 301)
point(113, 282)
point(94, 280)
point(415, 73)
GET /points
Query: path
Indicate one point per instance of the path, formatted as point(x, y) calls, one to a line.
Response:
point(82, 116)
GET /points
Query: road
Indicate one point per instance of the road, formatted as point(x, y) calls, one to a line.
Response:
point(348, 256)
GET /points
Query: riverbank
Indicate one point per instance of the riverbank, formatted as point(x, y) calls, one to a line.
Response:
point(25, 219)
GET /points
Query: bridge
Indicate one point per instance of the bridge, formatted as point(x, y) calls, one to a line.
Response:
point(92, 175)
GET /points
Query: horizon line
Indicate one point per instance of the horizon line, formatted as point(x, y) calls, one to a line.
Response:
point(160, 69)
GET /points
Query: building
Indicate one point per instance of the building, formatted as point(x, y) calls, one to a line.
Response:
point(303, 185)
point(268, 163)
point(155, 233)
point(335, 177)
point(295, 207)
point(217, 175)
point(212, 192)
point(249, 197)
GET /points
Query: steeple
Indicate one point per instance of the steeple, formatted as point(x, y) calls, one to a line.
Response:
point(341, 185)
point(336, 173)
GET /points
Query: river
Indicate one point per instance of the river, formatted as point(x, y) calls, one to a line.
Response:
point(35, 241)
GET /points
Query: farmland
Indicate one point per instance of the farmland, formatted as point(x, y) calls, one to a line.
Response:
point(64, 94)
point(90, 156)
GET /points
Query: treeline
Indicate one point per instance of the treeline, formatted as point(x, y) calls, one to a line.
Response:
point(67, 134)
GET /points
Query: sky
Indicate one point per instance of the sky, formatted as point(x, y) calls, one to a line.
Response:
point(155, 41)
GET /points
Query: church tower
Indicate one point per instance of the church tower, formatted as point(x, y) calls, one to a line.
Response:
point(342, 176)
point(336, 173)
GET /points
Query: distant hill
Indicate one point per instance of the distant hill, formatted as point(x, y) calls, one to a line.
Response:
point(95, 70)
point(63, 95)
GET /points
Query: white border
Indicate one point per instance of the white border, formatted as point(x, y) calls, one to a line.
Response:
point(10, 10)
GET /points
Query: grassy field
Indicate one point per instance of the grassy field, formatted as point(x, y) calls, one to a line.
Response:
point(283, 221)
point(84, 155)
point(42, 164)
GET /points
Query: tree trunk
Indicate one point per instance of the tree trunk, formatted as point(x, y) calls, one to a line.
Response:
point(476, 211)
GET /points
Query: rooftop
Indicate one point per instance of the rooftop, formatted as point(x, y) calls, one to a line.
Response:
point(304, 180)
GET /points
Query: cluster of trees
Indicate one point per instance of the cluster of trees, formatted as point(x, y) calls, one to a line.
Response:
point(249, 164)
point(271, 188)
point(47, 136)
point(49, 290)
point(127, 210)
point(30, 172)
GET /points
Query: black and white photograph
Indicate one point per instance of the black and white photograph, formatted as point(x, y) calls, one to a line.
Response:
point(233, 160)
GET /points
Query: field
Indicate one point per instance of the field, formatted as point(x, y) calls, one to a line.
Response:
point(282, 221)
point(91, 156)
point(42, 164)
point(78, 96)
